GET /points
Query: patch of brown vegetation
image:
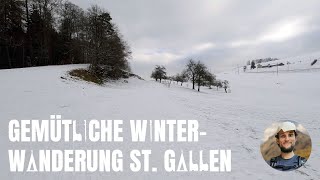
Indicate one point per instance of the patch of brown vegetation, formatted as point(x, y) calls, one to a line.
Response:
point(86, 75)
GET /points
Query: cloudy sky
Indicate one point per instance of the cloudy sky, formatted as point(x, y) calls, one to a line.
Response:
point(220, 33)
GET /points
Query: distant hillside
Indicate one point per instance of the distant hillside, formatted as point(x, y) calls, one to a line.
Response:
point(262, 60)
point(308, 62)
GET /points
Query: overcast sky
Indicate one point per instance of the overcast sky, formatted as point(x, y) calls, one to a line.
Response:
point(220, 33)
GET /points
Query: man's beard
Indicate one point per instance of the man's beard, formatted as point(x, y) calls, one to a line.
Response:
point(287, 150)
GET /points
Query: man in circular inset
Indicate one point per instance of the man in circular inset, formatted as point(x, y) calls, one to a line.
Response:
point(286, 138)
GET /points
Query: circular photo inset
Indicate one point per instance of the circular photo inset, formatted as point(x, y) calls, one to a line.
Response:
point(286, 145)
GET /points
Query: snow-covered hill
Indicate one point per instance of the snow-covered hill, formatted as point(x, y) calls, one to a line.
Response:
point(233, 120)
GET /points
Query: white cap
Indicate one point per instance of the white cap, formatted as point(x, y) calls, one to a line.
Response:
point(287, 126)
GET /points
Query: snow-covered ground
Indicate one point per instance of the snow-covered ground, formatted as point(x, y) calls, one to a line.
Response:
point(235, 120)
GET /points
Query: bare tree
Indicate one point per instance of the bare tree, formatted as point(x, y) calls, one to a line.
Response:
point(181, 77)
point(159, 72)
point(218, 84)
point(209, 79)
point(225, 85)
point(201, 72)
point(191, 71)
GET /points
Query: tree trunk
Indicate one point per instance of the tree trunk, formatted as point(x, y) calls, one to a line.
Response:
point(27, 12)
point(23, 60)
point(193, 82)
point(8, 56)
point(14, 57)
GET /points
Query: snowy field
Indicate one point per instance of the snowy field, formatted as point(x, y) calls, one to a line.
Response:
point(233, 120)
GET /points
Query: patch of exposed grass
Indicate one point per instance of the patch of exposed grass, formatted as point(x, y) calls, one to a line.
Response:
point(304, 152)
point(86, 75)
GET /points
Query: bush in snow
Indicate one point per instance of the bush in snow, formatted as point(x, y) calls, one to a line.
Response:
point(159, 72)
point(225, 85)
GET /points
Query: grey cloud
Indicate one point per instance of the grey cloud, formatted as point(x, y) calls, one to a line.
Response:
point(167, 32)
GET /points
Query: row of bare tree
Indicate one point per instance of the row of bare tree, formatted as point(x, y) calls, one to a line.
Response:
point(196, 72)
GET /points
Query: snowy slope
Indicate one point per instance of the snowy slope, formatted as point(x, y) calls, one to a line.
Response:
point(233, 121)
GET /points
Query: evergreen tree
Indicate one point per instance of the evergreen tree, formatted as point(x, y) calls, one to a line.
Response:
point(11, 32)
point(44, 32)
